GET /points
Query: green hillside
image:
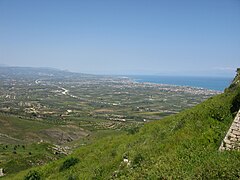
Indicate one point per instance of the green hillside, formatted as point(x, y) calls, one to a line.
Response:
point(182, 146)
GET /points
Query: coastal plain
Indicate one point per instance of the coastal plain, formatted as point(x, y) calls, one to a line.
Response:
point(47, 113)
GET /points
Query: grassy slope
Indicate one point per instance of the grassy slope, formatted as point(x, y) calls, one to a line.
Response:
point(181, 146)
point(25, 156)
point(18, 137)
point(20, 129)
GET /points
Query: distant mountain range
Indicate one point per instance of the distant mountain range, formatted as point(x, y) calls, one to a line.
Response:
point(37, 71)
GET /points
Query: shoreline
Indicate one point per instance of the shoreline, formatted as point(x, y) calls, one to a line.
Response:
point(132, 79)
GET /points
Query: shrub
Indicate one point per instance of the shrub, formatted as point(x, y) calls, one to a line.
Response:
point(133, 130)
point(137, 160)
point(235, 104)
point(32, 175)
point(68, 163)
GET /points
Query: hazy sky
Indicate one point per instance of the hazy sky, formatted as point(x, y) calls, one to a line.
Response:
point(179, 37)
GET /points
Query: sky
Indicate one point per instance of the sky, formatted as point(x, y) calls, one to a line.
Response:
point(157, 37)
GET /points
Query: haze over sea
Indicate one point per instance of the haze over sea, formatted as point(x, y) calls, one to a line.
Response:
point(212, 83)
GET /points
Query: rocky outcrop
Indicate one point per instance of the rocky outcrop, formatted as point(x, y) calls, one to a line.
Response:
point(232, 139)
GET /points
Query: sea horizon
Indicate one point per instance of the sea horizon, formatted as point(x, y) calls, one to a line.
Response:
point(217, 83)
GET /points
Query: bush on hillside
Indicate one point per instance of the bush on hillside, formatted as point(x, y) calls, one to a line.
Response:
point(137, 160)
point(68, 163)
point(235, 104)
point(32, 175)
point(133, 130)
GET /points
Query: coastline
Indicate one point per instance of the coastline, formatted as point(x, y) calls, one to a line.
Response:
point(217, 84)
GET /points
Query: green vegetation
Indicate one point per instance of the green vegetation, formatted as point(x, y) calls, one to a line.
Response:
point(68, 163)
point(46, 114)
point(32, 175)
point(15, 158)
point(181, 146)
point(61, 98)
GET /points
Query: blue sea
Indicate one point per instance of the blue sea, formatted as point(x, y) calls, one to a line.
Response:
point(212, 83)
